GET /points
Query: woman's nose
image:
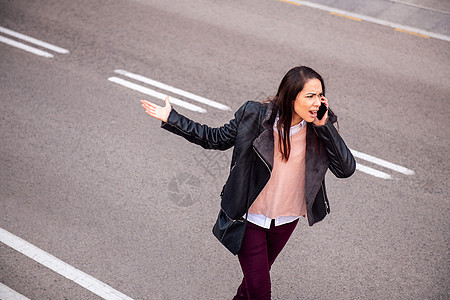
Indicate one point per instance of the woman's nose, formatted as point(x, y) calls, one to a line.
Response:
point(318, 100)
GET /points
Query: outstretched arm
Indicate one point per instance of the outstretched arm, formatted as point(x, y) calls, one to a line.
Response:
point(220, 138)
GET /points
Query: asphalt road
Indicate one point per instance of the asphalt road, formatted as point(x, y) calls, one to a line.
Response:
point(88, 177)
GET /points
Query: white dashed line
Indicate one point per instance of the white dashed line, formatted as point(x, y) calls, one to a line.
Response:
point(33, 40)
point(7, 293)
point(24, 47)
point(173, 89)
point(382, 162)
point(88, 282)
point(373, 172)
point(156, 94)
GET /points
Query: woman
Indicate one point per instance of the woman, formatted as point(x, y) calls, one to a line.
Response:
point(282, 150)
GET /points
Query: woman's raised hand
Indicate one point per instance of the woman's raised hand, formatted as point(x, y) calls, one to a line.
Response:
point(156, 111)
point(323, 121)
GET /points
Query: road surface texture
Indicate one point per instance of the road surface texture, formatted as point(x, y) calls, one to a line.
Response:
point(88, 178)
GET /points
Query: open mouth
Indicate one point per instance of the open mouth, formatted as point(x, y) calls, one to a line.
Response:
point(313, 113)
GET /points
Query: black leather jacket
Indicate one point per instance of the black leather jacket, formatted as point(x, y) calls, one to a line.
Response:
point(251, 134)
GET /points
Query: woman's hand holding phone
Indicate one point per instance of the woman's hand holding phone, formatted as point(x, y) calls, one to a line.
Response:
point(322, 113)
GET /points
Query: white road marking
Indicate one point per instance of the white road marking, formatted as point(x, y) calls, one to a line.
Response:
point(373, 172)
point(33, 40)
point(7, 293)
point(382, 162)
point(88, 282)
point(373, 20)
point(25, 47)
point(156, 94)
point(173, 89)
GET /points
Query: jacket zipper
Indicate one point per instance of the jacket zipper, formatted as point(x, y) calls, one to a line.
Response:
point(260, 157)
point(232, 220)
point(324, 197)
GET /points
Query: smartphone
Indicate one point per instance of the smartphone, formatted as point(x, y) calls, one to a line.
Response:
point(322, 110)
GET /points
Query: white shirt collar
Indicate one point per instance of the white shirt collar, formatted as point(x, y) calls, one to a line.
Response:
point(293, 130)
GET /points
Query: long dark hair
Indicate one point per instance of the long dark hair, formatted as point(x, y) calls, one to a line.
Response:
point(291, 84)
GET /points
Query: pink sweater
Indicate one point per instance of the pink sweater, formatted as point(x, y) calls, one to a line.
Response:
point(284, 194)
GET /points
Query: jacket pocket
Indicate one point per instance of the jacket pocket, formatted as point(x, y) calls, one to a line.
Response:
point(229, 232)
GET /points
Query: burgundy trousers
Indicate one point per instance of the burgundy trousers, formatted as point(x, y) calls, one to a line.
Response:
point(260, 247)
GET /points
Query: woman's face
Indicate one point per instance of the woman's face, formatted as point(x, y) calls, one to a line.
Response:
point(307, 102)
